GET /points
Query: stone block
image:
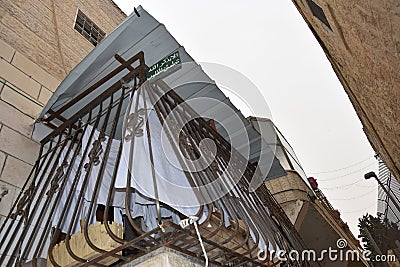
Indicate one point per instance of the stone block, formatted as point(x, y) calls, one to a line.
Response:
point(8, 200)
point(28, 14)
point(40, 262)
point(15, 119)
point(44, 95)
point(2, 161)
point(34, 71)
point(6, 51)
point(15, 171)
point(20, 101)
point(280, 198)
point(19, 79)
point(290, 195)
point(32, 46)
point(100, 238)
point(17, 145)
point(165, 257)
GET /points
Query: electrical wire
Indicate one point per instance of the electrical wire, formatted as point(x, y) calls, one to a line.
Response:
point(193, 220)
point(346, 186)
point(354, 211)
point(344, 168)
point(343, 186)
point(357, 197)
point(347, 174)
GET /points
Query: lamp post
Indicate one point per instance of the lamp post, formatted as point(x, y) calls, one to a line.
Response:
point(372, 174)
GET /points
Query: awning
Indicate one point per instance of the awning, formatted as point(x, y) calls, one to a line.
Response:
point(141, 32)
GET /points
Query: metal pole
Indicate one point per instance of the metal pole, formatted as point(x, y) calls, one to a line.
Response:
point(372, 174)
point(375, 246)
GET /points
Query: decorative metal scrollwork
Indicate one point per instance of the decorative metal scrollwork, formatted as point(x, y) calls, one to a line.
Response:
point(134, 125)
point(23, 203)
point(55, 182)
point(185, 142)
point(95, 152)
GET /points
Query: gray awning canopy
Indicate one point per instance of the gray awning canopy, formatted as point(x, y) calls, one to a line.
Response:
point(144, 33)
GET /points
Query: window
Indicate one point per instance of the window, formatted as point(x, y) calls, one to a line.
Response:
point(318, 12)
point(88, 29)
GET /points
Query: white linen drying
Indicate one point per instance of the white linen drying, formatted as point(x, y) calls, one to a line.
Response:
point(170, 179)
point(62, 203)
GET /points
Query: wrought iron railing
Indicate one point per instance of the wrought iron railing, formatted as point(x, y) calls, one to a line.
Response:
point(73, 185)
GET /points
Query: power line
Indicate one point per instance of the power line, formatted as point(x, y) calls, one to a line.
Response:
point(354, 211)
point(347, 174)
point(346, 185)
point(360, 196)
point(336, 170)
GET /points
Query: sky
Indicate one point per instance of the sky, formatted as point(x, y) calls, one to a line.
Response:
point(269, 42)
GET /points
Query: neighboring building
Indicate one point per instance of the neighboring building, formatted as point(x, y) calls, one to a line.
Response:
point(361, 39)
point(386, 207)
point(40, 43)
point(317, 222)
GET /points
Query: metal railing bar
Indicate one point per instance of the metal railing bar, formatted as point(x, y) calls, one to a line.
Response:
point(40, 218)
point(139, 56)
point(69, 197)
point(100, 175)
point(94, 103)
point(81, 192)
point(33, 189)
point(59, 193)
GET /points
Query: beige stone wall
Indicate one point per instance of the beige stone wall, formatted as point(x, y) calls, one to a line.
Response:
point(363, 48)
point(43, 30)
point(288, 188)
point(166, 257)
point(290, 191)
point(38, 47)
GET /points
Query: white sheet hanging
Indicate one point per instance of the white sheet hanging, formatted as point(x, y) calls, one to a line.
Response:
point(70, 207)
point(171, 181)
point(118, 197)
point(140, 206)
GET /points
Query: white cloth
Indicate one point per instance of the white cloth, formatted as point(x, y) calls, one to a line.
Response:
point(170, 179)
point(62, 203)
point(140, 206)
point(118, 197)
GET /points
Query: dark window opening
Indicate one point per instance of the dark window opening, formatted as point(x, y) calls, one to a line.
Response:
point(318, 12)
point(88, 29)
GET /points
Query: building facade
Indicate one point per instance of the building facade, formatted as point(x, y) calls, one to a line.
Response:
point(55, 221)
point(361, 41)
point(388, 209)
point(311, 213)
point(40, 43)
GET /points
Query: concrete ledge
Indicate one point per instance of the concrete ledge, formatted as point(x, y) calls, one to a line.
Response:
point(166, 257)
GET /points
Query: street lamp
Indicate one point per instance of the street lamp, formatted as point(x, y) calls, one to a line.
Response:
point(369, 175)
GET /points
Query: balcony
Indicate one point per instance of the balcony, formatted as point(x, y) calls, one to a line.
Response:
point(128, 166)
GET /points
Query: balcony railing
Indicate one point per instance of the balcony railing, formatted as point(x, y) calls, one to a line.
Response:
point(86, 203)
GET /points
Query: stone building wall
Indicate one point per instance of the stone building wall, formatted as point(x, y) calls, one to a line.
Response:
point(38, 48)
point(290, 191)
point(362, 41)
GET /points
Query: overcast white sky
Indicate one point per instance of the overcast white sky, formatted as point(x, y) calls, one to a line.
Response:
point(269, 42)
